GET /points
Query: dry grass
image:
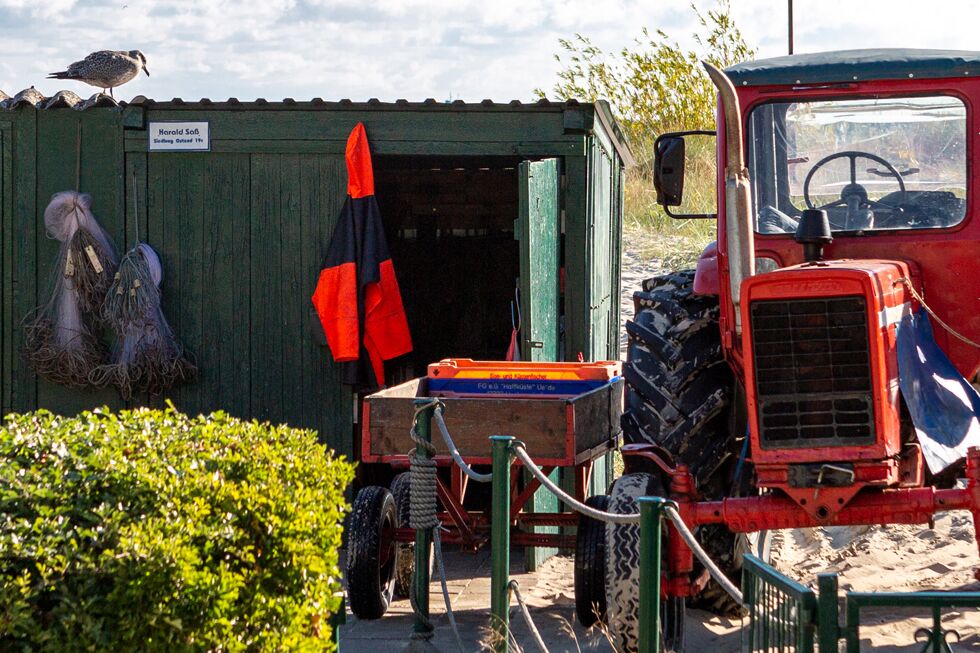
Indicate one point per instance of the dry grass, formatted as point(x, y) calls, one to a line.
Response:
point(676, 243)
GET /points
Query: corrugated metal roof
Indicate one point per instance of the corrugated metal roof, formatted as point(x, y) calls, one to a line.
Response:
point(371, 104)
point(71, 100)
point(60, 100)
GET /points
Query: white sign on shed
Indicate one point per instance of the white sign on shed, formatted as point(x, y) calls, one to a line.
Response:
point(179, 137)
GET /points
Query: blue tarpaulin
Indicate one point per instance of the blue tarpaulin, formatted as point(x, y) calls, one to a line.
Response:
point(945, 408)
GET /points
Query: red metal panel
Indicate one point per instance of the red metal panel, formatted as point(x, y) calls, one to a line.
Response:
point(877, 282)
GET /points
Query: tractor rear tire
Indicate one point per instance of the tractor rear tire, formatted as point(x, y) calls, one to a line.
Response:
point(371, 552)
point(623, 571)
point(590, 565)
point(679, 396)
point(678, 384)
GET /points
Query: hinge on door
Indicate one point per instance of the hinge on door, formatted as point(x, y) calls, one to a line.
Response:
point(563, 182)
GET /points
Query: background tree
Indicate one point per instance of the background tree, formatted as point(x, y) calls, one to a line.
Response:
point(656, 86)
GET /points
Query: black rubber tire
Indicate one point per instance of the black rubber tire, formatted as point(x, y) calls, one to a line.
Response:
point(370, 569)
point(678, 385)
point(679, 395)
point(623, 571)
point(590, 565)
point(404, 551)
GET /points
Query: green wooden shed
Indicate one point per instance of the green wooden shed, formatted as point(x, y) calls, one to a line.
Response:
point(478, 199)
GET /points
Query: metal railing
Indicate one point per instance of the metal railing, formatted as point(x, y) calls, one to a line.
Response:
point(653, 512)
point(936, 638)
point(787, 616)
point(782, 612)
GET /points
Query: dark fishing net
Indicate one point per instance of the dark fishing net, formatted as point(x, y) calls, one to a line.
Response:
point(147, 356)
point(61, 340)
point(95, 267)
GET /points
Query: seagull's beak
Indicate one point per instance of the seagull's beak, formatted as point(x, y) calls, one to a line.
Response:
point(146, 71)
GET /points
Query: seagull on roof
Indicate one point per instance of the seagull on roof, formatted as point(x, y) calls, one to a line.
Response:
point(106, 69)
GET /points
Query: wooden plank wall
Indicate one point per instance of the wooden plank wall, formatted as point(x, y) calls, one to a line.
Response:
point(44, 152)
point(6, 260)
point(242, 237)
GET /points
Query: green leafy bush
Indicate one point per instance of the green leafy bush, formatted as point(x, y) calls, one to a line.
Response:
point(151, 531)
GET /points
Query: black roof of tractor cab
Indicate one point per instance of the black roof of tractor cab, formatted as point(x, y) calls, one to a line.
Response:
point(856, 66)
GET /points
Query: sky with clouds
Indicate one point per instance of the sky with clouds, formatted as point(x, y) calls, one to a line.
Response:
point(413, 49)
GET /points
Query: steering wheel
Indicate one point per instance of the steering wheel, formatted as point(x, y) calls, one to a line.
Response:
point(853, 195)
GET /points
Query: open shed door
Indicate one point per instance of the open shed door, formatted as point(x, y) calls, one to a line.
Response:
point(538, 230)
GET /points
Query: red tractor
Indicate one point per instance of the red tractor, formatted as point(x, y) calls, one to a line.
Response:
point(792, 380)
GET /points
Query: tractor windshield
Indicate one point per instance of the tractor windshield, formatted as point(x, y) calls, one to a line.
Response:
point(872, 164)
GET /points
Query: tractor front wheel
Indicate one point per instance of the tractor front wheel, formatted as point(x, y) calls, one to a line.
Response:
point(623, 570)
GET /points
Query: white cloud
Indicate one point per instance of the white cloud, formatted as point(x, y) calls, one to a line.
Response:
point(411, 48)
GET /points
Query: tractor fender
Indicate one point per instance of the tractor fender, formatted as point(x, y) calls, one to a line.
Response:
point(706, 281)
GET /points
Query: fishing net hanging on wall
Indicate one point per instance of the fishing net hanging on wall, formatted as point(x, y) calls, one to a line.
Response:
point(61, 339)
point(146, 356)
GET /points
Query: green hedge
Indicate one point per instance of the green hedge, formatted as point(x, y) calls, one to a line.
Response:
point(152, 531)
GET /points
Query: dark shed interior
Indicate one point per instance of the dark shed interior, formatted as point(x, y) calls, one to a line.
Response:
point(450, 229)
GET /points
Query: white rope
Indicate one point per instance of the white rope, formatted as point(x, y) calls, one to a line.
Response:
point(454, 452)
point(437, 548)
point(692, 543)
point(578, 506)
point(632, 518)
point(515, 587)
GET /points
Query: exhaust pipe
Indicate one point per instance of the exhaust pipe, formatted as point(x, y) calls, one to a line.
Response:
point(738, 193)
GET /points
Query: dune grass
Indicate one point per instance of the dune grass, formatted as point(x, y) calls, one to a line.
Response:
point(675, 243)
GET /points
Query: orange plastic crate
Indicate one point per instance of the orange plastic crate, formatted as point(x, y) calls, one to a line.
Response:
point(465, 368)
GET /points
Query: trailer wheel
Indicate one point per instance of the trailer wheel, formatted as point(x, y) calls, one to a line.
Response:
point(623, 571)
point(679, 396)
point(371, 552)
point(590, 565)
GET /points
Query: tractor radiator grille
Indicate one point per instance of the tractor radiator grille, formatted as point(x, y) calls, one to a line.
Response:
point(812, 371)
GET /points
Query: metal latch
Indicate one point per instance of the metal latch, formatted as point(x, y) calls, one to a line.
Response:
point(821, 475)
point(535, 344)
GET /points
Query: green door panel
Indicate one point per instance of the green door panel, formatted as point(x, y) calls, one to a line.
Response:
point(538, 229)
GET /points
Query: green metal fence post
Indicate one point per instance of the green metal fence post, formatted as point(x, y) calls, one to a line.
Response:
point(852, 621)
point(828, 612)
point(651, 520)
point(500, 542)
point(423, 536)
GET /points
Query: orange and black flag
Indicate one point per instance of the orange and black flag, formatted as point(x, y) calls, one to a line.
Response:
point(357, 297)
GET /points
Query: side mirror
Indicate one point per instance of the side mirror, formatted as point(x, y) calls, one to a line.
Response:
point(668, 170)
point(689, 154)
